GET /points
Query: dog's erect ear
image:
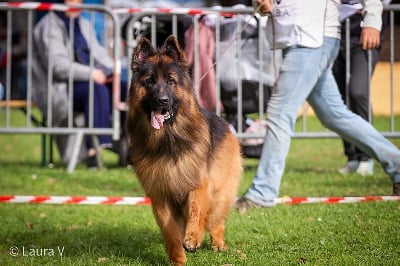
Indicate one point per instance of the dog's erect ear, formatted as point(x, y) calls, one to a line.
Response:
point(172, 49)
point(142, 52)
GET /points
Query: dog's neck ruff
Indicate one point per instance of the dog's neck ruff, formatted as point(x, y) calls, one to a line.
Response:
point(158, 119)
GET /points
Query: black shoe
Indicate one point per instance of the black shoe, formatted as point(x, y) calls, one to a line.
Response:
point(123, 152)
point(121, 148)
point(396, 189)
point(91, 162)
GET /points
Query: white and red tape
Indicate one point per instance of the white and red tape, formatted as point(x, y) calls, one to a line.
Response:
point(83, 200)
point(334, 200)
point(157, 10)
point(97, 200)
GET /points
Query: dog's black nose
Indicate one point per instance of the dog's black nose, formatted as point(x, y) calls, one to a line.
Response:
point(163, 99)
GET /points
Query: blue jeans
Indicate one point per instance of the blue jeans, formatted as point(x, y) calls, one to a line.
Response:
point(358, 91)
point(101, 108)
point(306, 74)
point(102, 105)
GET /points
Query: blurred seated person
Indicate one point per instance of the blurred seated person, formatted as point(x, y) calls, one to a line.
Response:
point(52, 40)
point(18, 56)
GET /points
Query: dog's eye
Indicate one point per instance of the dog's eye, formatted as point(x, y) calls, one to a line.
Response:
point(171, 81)
point(149, 81)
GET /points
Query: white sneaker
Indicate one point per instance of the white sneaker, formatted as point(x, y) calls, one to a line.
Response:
point(350, 167)
point(365, 168)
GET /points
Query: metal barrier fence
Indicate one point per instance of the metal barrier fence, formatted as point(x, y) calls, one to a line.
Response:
point(241, 50)
point(150, 22)
point(229, 85)
point(46, 127)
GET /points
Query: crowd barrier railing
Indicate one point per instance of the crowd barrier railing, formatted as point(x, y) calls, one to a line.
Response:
point(29, 10)
point(243, 69)
point(146, 22)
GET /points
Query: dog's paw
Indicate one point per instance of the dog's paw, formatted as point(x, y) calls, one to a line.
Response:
point(191, 245)
point(219, 248)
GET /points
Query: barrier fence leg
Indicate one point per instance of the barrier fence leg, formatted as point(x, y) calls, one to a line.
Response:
point(51, 152)
point(75, 152)
point(44, 150)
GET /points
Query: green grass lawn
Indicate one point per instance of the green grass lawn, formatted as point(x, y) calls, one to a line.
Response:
point(311, 234)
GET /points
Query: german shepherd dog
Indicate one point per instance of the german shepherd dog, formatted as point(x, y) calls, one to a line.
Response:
point(186, 159)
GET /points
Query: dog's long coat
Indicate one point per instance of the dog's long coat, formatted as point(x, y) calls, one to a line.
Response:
point(186, 159)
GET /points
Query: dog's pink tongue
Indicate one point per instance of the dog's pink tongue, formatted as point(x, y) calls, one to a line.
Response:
point(157, 119)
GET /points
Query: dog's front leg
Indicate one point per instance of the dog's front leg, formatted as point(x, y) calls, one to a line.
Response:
point(198, 204)
point(172, 232)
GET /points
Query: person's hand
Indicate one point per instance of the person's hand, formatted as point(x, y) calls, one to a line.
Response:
point(265, 6)
point(370, 38)
point(110, 79)
point(99, 76)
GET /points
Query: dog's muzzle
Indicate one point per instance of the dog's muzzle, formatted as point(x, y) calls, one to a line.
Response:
point(162, 113)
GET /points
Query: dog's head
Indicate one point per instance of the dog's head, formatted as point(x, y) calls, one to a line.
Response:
point(158, 81)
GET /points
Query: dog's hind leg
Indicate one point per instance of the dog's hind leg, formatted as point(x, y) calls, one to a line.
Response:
point(198, 207)
point(216, 226)
point(217, 237)
point(172, 232)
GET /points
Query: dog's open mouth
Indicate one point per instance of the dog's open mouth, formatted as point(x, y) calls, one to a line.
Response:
point(158, 117)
